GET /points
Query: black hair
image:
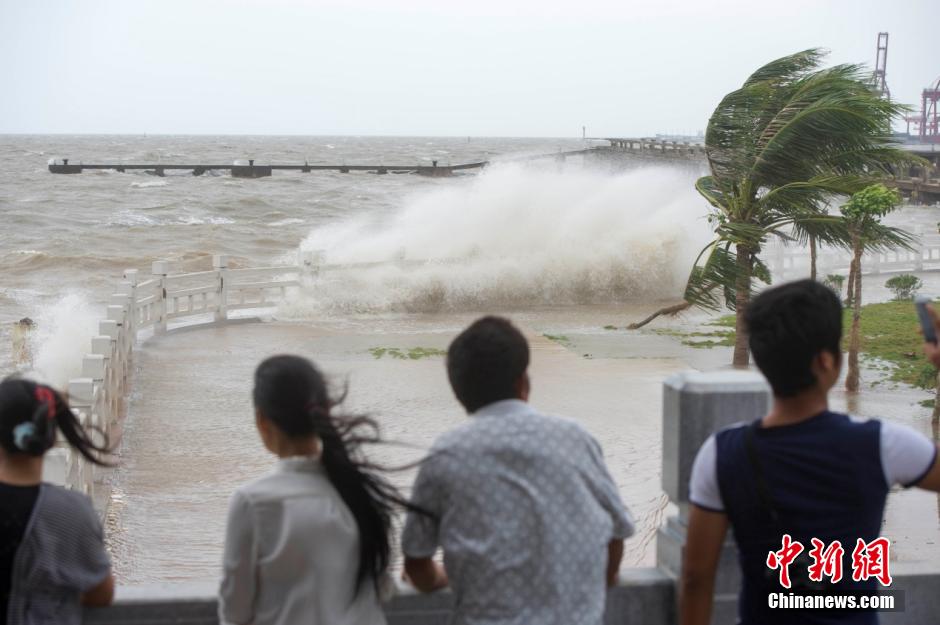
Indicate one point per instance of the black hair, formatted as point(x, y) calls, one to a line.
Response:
point(30, 413)
point(486, 361)
point(788, 326)
point(292, 393)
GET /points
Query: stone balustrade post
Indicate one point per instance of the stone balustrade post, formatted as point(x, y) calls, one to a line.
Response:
point(160, 270)
point(82, 402)
point(96, 367)
point(128, 286)
point(105, 347)
point(220, 264)
point(919, 249)
point(695, 405)
point(118, 314)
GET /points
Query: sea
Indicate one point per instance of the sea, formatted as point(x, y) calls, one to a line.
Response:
point(571, 250)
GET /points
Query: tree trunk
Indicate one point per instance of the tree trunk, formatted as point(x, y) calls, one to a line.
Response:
point(855, 287)
point(935, 417)
point(851, 283)
point(812, 257)
point(666, 310)
point(742, 296)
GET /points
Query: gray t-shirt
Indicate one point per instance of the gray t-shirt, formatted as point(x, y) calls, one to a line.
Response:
point(61, 556)
point(525, 510)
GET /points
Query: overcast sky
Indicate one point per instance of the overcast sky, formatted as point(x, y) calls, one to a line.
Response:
point(423, 67)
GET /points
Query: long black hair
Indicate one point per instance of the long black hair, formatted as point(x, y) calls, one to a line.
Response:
point(30, 414)
point(292, 393)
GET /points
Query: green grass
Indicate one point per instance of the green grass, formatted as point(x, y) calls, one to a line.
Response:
point(561, 339)
point(706, 339)
point(889, 340)
point(413, 353)
point(725, 321)
point(889, 334)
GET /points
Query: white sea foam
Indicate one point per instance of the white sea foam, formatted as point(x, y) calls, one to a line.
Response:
point(515, 237)
point(149, 184)
point(62, 338)
point(131, 218)
point(290, 221)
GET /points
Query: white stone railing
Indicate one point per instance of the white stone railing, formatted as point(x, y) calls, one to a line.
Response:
point(793, 262)
point(141, 308)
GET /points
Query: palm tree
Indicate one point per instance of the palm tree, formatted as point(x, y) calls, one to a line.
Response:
point(780, 148)
point(862, 214)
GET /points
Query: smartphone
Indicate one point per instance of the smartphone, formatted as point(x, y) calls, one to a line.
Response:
point(926, 323)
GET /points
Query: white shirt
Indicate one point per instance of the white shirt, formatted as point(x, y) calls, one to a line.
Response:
point(292, 552)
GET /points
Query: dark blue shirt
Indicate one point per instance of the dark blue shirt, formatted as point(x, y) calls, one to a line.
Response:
point(826, 478)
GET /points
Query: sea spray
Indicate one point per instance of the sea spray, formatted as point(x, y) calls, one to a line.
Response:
point(513, 237)
point(63, 334)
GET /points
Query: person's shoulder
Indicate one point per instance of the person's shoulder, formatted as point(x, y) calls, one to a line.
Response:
point(57, 496)
point(861, 425)
point(261, 488)
point(69, 505)
point(733, 431)
point(457, 437)
point(564, 425)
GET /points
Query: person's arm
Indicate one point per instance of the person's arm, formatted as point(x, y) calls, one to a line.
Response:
point(425, 574)
point(930, 349)
point(706, 535)
point(420, 537)
point(931, 481)
point(614, 557)
point(101, 595)
point(238, 587)
point(608, 496)
point(91, 571)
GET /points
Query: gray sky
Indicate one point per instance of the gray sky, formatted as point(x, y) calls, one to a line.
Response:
point(423, 67)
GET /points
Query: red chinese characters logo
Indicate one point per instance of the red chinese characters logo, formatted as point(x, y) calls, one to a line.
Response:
point(784, 558)
point(869, 560)
point(827, 561)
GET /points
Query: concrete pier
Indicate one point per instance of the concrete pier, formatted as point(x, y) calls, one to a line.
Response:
point(262, 171)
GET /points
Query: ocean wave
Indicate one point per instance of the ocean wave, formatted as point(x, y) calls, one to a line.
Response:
point(514, 237)
point(32, 260)
point(290, 221)
point(133, 219)
point(150, 183)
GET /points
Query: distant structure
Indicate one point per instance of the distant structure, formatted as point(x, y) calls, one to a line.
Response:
point(879, 79)
point(927, 123)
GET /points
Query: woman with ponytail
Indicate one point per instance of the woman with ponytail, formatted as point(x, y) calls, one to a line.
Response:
point(308, 543)
point(52, 555)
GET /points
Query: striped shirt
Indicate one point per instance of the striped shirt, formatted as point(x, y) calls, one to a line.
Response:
point(61, 556)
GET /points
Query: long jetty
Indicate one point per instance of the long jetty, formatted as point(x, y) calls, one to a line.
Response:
point(251, 170)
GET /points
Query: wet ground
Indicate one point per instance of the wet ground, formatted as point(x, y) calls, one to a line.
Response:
point(190, 437)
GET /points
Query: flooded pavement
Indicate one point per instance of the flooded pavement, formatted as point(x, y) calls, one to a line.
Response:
point(190, 438)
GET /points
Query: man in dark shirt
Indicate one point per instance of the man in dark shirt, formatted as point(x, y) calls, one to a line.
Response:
point(801, 471)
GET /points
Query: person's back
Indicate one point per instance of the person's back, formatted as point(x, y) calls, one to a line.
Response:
point(530, 523)
point(308, 543)
point(304, 539)
point(818, 477)
point(52, 554)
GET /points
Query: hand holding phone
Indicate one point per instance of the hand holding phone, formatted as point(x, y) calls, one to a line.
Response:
point(926, 319)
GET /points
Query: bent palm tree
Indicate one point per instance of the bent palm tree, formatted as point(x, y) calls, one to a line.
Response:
point(780, 148)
